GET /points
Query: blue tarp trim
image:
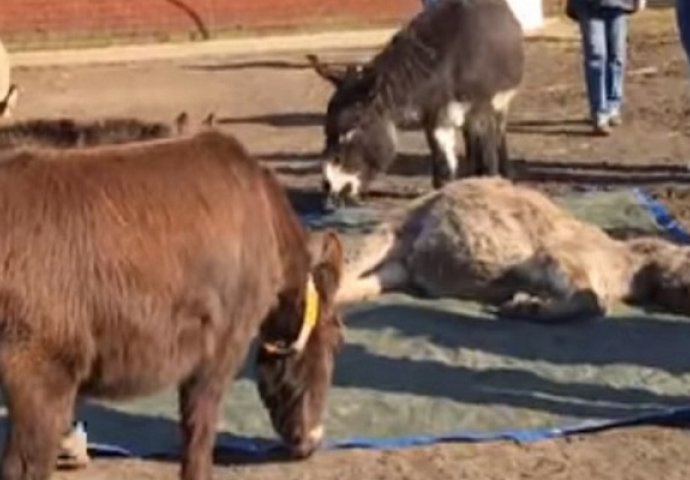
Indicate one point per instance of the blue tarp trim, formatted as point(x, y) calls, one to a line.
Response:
point(262, 448)
point(254, 448)
point(662, 217)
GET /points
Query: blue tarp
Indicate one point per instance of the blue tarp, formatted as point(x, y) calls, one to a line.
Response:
point(258, 447)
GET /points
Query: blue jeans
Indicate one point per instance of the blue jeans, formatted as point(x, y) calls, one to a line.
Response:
point(428, 3)
point(683, 18)
point(604, 43)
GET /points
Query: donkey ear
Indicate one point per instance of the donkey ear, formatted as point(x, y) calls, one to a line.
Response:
point(210, 120)
point(10, 102)
point(182, 123)
point(329, 265)
point(334, 75)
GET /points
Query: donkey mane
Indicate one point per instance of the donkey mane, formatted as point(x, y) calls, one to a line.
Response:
point(415, 53)
point(70, 133)
point(399, 69)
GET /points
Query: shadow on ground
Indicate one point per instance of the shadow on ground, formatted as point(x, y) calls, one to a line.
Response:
point(447, 344)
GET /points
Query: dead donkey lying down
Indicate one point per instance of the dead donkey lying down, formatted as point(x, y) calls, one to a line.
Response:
point(489, 240)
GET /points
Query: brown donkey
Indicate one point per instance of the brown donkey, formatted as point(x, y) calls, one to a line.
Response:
point(127, 269)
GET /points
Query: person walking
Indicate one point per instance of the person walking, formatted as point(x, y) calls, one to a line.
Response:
point(603, 25)
point(683, 20)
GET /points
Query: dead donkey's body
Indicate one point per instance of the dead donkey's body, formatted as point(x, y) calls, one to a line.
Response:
point(489, 240)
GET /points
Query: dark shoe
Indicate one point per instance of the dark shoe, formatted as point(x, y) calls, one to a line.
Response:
point(602, 128)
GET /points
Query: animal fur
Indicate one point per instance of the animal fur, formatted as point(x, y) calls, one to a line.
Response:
point(442, 66)
point(129, 269)
point(70, 133)
point(489, 240)
point(66, 133)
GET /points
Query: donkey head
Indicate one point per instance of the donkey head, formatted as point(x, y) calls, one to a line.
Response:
point(294, 380)
point(359, 142)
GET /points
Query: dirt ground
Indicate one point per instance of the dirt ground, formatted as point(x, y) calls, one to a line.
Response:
point(634, 454)
point(275, 105)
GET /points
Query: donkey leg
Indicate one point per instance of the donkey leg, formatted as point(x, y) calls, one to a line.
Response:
point(495, 144)
point(441, 139)
point(501, 104)
point(577, 305)
point(389, 276)
point(471, 166)
point(504, 165)
point(200, 397)
point(553, 290)
point(40, 399)
point(482, 141)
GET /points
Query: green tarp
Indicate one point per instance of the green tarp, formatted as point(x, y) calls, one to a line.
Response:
point(414, 366)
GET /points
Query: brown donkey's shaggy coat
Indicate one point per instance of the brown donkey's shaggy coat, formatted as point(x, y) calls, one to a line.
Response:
point(128, 269)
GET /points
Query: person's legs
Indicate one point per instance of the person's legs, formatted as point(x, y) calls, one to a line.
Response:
point(616, 45)
point(429, 3)
point(593, 32)
point(683, 20)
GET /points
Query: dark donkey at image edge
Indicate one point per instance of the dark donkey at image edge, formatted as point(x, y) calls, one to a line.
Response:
point(129, 269)
point(457, 64)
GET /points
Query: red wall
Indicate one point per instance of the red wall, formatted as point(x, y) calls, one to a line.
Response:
point(42, 23)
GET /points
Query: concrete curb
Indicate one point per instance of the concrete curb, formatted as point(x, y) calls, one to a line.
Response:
point(340, 40)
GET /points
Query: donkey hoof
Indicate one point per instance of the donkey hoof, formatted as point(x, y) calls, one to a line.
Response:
point(438, 182)
point(522, 306)
point(73, 450)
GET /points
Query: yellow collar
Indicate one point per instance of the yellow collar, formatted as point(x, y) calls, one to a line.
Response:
point(309, 319)
point(311, 305)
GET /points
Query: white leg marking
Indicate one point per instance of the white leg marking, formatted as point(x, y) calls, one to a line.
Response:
point(445, 136)
point(340, 179)
point(456, 113)
point(501, 101)
point(316, 434)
